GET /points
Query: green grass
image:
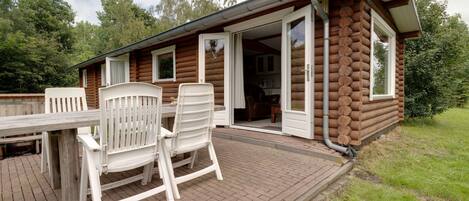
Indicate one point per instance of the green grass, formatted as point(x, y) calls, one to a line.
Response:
point(427, 160)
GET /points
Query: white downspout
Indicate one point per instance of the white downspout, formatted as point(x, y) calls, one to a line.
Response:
point(325, 107)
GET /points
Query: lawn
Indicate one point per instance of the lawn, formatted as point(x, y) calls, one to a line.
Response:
point(427, 159)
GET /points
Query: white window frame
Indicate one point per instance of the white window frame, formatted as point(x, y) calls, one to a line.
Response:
point(124, 58)
point(103, 75)
point(378, 20)
point(155, 54)
point(84, 77)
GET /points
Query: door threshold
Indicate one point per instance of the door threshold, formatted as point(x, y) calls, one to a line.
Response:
point(257, 129)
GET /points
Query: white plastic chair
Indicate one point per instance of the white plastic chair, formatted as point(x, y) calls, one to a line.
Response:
point(129, 126)
point(61, 100)
point(192, 129)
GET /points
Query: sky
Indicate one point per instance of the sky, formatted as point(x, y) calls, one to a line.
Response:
point(461, 7)
point(86, 9)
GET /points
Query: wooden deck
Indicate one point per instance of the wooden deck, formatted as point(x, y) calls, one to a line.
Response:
point(251, 172)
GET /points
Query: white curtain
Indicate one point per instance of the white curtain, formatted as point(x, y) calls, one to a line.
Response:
point(117, 72)
point(239, 101)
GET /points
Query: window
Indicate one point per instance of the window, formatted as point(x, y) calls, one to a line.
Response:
point(164, 64)
point(117, 70)
point(84, 77)
point(103, 74)
point(383, 59)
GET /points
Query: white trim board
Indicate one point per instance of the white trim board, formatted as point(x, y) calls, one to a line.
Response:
point(259, 21)
point(257, 129)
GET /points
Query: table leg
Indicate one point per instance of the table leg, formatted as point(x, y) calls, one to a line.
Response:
point(53, 158)
point(69, 164)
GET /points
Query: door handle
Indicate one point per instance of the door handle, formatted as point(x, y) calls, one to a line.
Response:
point(307, 70)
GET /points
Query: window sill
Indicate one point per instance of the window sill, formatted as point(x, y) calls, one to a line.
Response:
point(165, 80)
point(381, 97)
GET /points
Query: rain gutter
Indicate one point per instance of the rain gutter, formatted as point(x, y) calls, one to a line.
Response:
point(325, 107)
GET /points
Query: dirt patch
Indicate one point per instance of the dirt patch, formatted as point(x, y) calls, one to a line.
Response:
point(366, 175)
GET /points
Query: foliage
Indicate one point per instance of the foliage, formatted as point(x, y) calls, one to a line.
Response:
point(122, 23)
point(435, 63)
point(36, 40)
point(427, 160)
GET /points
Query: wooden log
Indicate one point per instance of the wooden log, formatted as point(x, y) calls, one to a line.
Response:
point(369, 122)
point(343, 139)
point(344, 120)
point(355, 115)
point(357, 106)
point(378, 105)
point(355, 125)
point(355, 135)
point(345, 90)
point(376, 113)
point(332, 131)
point(345, 71)
point(333, 86)
point(346, 11)
point(356, 96)
point(345, 41)
point(345, 81)
point(344, 101)
point(332, 122)
point(360, 75)
point(365, 132)
point(344, 130)
point(344, 51)
point(346, 61)
point(345, 32)
point(344, 110)
point(345, 21)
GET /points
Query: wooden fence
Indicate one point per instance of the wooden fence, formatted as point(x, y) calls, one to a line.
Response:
point(20, 104)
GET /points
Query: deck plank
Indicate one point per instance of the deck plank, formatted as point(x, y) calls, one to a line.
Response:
point(251, 172)
point(25, 185)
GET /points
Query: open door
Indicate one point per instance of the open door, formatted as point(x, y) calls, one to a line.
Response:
point(214, 68)
point(297, 74)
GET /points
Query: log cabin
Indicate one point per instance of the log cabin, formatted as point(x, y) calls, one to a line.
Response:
point(329, 70)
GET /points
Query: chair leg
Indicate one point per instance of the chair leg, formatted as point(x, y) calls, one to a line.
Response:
point(167, 175)
point(83, 178)
point(193, 159)
point(147, 173)
point(93, 177)
point(213, 157)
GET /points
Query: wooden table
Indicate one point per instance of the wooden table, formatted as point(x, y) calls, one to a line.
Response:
point(63, 142)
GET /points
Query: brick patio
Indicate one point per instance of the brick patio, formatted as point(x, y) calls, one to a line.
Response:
point(251, 172)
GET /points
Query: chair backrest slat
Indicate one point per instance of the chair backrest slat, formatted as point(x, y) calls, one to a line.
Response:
point(194, 116)
point(130, 118)
point(67, 99)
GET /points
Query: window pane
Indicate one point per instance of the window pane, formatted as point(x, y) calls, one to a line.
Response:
point(117, 72)
point(165, 66)
point(296, 58)
point(381, 54)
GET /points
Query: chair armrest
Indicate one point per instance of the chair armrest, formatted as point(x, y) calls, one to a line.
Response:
point(165, 133)
point(89, 142)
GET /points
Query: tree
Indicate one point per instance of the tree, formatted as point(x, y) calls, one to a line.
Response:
point(176, 12)
point(122, 22)
point(36, 40)
point(86, 37)
point(434, 61)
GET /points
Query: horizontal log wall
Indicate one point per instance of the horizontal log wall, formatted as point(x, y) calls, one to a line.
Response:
point(380, 114)
point(94, 82)
point(186, 65)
